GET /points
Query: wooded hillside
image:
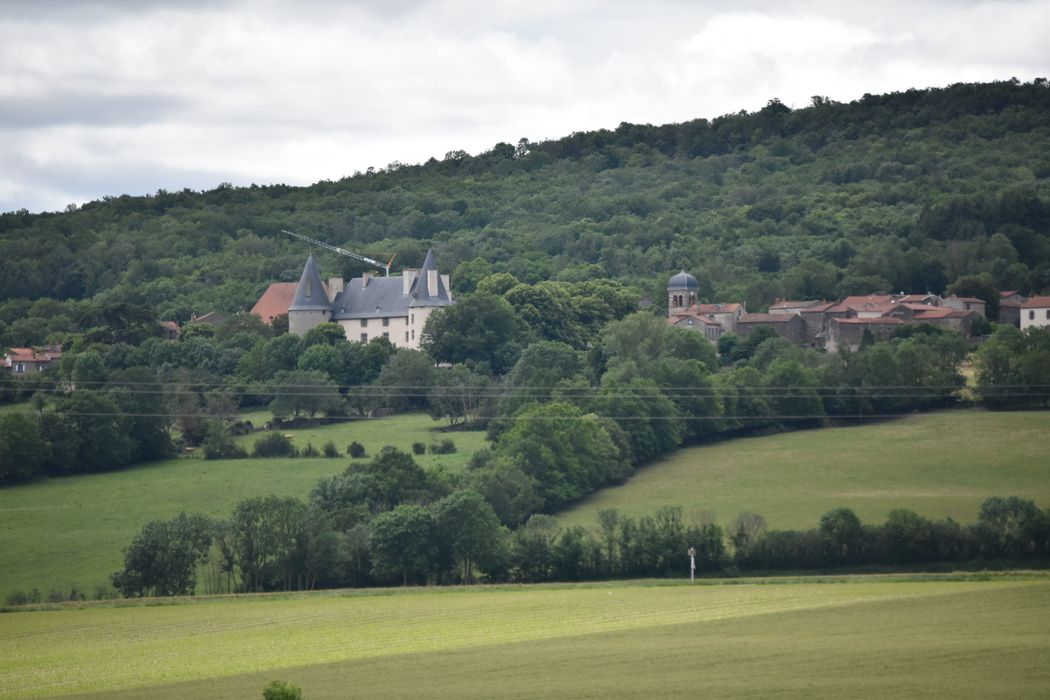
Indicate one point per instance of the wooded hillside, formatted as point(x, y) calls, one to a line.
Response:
point(907, 191)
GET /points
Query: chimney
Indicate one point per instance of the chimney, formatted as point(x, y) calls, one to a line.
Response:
point(432, 282)
point(335, 287)
point(365, 279)
point(408, 276)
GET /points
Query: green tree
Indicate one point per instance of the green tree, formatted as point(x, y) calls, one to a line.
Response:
point(23, 451)
point(405, 382)
point(303, 392)
point(481, 328)
point(163, 557)
point(468, 526)
point(402, 542)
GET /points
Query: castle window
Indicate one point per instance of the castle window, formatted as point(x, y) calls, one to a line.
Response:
point(386, 335)
point(364, 337)
point(386, 322)
point(406, 336)
point(364, 323)
point(1031, 315)
point(413, 321)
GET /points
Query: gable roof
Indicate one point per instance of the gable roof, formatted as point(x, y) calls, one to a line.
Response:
point(275, 300)
point(1042, 302)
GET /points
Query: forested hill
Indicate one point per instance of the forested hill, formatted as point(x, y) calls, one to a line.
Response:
point(908, 191)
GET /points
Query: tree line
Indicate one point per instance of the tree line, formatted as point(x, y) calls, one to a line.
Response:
point(273, 544)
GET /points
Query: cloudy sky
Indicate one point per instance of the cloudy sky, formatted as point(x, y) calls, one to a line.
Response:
point(130, 96)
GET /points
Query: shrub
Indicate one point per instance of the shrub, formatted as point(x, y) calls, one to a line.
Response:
point(309, 451)
point(445, 447)
point(356, 450)
point(273, 445)
point(23, 598)
point(418, 448)
point(279, 690)
point(330, 450)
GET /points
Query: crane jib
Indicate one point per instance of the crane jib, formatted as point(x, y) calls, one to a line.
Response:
point(342, 251)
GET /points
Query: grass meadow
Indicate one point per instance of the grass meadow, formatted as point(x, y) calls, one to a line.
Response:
point(906, 636)
point(937, 464)
point(60, 533)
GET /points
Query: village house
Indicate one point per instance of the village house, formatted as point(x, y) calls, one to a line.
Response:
point(790, 327)
point(1035, 313)
point(965, 304)
point(275, 301)
point(1010, 304)
point(369, 307)
point(31, 360)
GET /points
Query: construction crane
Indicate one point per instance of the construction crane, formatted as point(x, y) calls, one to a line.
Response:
point(342, 251)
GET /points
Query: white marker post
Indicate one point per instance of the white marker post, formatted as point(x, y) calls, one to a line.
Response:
point(692, 563)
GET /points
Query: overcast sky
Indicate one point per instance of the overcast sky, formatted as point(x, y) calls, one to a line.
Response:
point(113, 97)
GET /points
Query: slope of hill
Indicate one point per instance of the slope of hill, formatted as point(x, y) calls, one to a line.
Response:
point(840, 637)
point(939, 465)
point(903, 191)
point(63, 533)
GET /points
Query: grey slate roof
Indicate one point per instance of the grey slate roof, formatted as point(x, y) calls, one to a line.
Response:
point(683, 280)
point(383, 296)
point(310, 295)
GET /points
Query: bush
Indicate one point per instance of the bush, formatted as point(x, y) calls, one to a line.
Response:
point(273, 445)
point(419, 448)
point(356, 450)
point(218, 444)
point(23, 598)
point(445, 447)
point(330, 450)
point(309, 451)
point(279, 690)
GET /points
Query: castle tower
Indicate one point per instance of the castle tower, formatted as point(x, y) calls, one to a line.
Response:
point(682, 291)
point(310, 306)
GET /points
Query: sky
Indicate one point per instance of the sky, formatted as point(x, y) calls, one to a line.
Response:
point(110, 97)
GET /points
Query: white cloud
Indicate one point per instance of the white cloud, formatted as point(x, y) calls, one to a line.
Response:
point(179, 95)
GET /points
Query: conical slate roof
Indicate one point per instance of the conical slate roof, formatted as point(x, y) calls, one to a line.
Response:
point(420, 293)
point(683, 280)
point(310, 295)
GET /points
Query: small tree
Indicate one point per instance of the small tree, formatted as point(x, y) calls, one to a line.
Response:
point(273, 445)
point(330, 450)
point(279, 690)
point(356, 450)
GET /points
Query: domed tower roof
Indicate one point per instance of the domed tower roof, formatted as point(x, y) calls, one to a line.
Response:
point(683, 280)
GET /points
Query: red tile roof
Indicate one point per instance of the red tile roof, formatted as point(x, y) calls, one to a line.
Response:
point(766, 318)
point(275, 301)
point(1037, 303)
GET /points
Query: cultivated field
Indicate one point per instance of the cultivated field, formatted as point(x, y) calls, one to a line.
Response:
point(939, 465)
point(945, 636)
point(68, 532)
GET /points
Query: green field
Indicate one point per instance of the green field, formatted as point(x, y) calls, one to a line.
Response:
point(939, 465)
point(863, 636)
point(67, 532)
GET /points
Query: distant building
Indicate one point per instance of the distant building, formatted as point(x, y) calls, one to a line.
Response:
point(1035, 313)
point(170, 330)
point(791, 327)
point(685, 311)
point(31, 360)
point(1010, 304)
point(369, 307)
point(212, 318)
point(275, 301)
point(965, 304)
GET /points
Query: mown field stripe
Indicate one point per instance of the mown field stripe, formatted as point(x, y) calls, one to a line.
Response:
point(959, 642)
point(50, 653)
